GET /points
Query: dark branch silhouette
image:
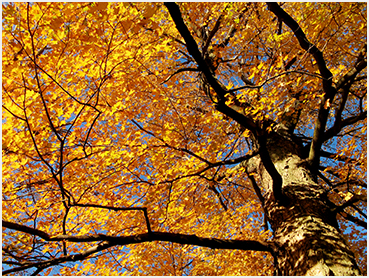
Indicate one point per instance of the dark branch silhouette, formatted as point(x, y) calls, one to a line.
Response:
point(109, 241)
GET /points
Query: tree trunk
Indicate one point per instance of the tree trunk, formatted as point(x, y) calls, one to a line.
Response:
point(306, 234)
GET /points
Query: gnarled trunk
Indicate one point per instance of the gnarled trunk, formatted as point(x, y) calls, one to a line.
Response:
point(306, 234)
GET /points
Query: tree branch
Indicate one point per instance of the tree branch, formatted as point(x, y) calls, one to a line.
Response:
point(219, 89)
point(359, 211)
point(70, 258)
point(25, 229)
point(360, 64)
point(329, 89)
point(354, 219)
point(148, 237)
point(337, 156)
point(233, 29)
point(221, 106)
point(353, 199)
point(178, 71)
point(261, 198)
point(335, 130)
point(169, 146)
point(192, 48)
point(144, 209)
point(109, 241)
point(213, 32)
point(274, 77)
point(344, 85)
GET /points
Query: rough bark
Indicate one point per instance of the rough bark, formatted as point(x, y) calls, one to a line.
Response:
point(306, 234)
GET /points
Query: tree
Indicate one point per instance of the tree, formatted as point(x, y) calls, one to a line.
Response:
point(184, 139)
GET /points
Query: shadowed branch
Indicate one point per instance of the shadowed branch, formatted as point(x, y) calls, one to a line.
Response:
point(109, 241)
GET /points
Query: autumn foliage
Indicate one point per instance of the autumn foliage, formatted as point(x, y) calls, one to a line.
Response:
point(119, 158)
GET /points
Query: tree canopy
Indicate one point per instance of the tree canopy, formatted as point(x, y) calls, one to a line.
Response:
point(126, 128)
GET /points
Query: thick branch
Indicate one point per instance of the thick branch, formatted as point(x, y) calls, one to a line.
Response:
point(192, 48)
point(337, 156)
point(334, 130)
point(235, 160)
point(221, 92)
point(329, 89)
point(109, 241)
point(353, 199)
point(354, 219)
point(144, 209)
point(301, 37)
point(25, 229)
point(344, 85)
point(238, 117)
point(148, 237)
